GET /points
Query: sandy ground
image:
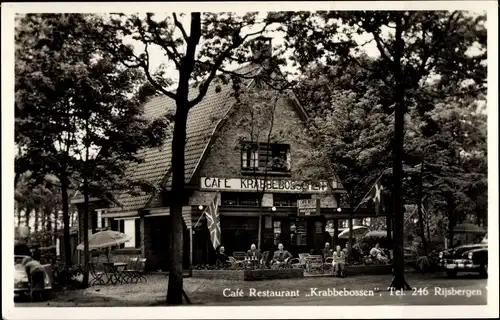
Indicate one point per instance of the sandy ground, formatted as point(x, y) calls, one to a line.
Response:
point(361, 290)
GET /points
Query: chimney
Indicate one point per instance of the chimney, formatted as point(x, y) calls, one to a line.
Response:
point(262, 48)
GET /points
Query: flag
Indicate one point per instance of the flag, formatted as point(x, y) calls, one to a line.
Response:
point(213, 222)
point(377, 196)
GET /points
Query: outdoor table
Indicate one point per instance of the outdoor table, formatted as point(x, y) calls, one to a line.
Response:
point(116, 272)
point(252, 263)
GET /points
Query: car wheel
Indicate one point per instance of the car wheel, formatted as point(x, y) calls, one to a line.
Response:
point(483, 272)
point(451, 273)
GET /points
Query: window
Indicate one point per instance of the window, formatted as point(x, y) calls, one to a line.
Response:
point(137, 233)
point(249, 157)
point(239, 199)
point(99, 219)
point(287, 199)
point(280, 157)
point(129, 230)
point(273, 157)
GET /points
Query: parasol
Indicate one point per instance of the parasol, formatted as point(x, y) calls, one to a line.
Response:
point(468, 228)
point(105, 239)
point(357, 231)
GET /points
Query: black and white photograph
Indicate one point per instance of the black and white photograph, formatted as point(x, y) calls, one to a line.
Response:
point(159, 159)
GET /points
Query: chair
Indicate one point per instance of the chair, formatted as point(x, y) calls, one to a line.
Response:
point(141, 270)
point(328, 265)
point(239, 255)
point(299, 262)
point(97, 276)
point(236, 264)
point(314, 263)
point(130, 272)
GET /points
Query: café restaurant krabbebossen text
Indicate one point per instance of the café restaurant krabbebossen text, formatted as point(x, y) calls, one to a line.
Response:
point(222, 163)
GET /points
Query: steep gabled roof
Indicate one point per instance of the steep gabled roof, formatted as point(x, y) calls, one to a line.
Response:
point(201, 126)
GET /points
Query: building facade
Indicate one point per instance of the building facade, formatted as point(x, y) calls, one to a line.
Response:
point(225, 164)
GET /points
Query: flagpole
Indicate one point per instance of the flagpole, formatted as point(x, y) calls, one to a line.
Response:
point(204, 211)
point(378, 179)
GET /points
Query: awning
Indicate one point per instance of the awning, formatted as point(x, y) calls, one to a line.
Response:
point(120, 214)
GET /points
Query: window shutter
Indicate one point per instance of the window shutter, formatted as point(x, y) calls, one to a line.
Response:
point(244, 158)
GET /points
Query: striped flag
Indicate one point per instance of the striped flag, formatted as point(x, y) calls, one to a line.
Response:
point(213, 222)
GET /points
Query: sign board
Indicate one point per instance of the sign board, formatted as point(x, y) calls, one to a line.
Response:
point(269, 185)
point(307, 207)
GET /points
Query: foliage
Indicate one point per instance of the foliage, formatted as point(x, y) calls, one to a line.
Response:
point(79, 117)
point(424, 58)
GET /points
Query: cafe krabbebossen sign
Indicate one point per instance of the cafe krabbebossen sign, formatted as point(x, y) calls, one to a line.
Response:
point(268, 185)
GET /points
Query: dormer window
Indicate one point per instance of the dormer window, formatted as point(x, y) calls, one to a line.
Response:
point(273, 158)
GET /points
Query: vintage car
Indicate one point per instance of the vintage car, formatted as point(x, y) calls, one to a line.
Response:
point(23, 285)
point(465, 258)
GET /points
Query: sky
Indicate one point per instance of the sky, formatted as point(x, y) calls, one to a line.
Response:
point(157, 56)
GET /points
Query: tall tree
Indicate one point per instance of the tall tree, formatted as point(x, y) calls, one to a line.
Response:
point(412, 48)
point(80, 100)
point(197, 47)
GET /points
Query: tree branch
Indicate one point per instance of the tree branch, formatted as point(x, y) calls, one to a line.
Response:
point(181, 28)
point(237, 41)
point(172, 55)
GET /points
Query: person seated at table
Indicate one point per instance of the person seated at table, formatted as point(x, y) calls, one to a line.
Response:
point(222, 259)
point(357, 252)
point(326, 252)
point(378, 255)
point(338, 262)
point(253, 253)
point(281, 256)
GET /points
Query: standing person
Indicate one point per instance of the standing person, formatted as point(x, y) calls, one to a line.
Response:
point(338, 262)
point(36, 274)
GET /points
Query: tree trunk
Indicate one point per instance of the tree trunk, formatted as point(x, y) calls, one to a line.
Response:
point(86, 206)
point(427, 220)
point(27, 216)
point(19, 209)
point(420, 214)
point(66, 236)
point(175, 280)
point(259, 228)
point(451, 220)
point(37, 217)
point(398, 281)
point(43, 220)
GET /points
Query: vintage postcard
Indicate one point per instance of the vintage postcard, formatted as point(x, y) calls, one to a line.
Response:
point(292, 159)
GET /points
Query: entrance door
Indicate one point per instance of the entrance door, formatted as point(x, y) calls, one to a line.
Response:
point(316, 232)
point(281, 232)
